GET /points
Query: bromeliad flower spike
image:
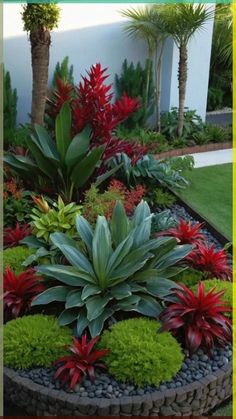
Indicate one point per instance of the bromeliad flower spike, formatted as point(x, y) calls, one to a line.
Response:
point(82, 361)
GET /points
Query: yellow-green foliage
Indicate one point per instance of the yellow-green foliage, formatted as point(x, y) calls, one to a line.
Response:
point(59, 218)
point(140, 354)
point(15, 256)
point(189, 277)
point(34, 341)
point(37, 16)
point(220, 285)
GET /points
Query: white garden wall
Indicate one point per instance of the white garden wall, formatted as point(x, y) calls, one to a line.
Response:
point(90, 33)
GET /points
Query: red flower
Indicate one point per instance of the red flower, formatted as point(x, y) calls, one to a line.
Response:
point(81, 363)
point(63, 93)
point(198, 318)
point(19, 292)
point(185, 232)
point(212, 262)
point(12, 236)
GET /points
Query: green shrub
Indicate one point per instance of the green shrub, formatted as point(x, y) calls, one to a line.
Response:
point(9, 108)
point(15, 257)
point(140, 354)
point(215, 98)
point(37, 16)
point(155, 142)
point(160, 198)
point(189, 277)
point(220, 285)
point(21, 136)
point(34, 341)
point(16, 207)
point(212, 134)
point(181, 164)
point(169, 123)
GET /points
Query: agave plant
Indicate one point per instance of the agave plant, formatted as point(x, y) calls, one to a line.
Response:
point(122, 269)
point(66, 163)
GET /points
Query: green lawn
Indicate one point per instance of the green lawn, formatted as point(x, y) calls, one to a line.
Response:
point(210, 194)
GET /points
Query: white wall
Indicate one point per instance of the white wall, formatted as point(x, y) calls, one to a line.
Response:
point(90, 33)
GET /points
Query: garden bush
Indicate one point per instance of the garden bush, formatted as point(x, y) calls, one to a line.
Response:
point(15, 257)
point(189, 277)
point(139, 353)
point(34, 341)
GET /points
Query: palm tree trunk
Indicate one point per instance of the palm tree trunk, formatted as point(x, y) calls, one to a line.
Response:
point(40, 42)
point(149, 61)
point(158, 88)
point(183, 57)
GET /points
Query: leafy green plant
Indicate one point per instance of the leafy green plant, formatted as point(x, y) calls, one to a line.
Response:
point(59, 217)
point(181, 164)
point(160, 198)
point(133, 82)
point(63, 71)
point(212, 134)
point(9, 108)
point(64, 163)
point(139, 354)
point(189, 277)
point(154, 141)
point(162, 221)
point(220, 285)
point(122, 269)
point(34, 341)
point(169, 122)
point(148, 171)
point(16, 207)
point(15, 257)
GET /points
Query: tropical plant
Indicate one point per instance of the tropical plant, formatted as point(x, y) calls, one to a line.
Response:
point(9, 108)
point(59, 217)
point(19, 292)
point(169, 122)
point(182, 21)
point(160, 198)
point(39, 20)
point(212, 262)
point(162, 221)
point(186, 232)
point(66, 163)
point(12, 236)
point(218, 286)
point(16, 204)
point(133, 81)
point(212, 134)
point(189, 277)
point(198, 318)
point(148, 171)
point(119, 275)
point(34, 341)
point(63, 72)
point(181, 164)
point(14, 257)
point(81, 362)
point(140, 355)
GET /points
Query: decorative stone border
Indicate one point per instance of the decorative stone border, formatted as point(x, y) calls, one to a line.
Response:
point(194, 399)
point(192, 150)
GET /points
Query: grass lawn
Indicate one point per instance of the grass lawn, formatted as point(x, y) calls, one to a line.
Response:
point(210, 194)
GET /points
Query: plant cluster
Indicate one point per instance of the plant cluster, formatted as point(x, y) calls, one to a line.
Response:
point(19, 292)
point(16, 204)
point(9, 108)
point(13, 236)
point(219, 286)
point(34, 341)
point(139, 354)
point(40, 16)
point(198, 318)
point(160, 198)
point(14, 257)
point(81, 362)
point(169, 122)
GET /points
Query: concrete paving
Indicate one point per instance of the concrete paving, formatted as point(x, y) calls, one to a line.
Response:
point(212, 158)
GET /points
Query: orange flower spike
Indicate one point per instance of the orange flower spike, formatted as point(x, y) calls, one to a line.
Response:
point(41, 203)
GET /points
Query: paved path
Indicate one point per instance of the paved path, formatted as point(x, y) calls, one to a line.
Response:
point(212, 158)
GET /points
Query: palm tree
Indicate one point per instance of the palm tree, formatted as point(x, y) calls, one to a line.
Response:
point(146, 23)
point(182, 20)
point(39, 19)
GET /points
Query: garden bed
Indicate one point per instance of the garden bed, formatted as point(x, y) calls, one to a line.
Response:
point(194, 149)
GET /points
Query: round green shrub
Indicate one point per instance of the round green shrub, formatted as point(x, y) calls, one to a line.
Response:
point(34, 341)
point(15, 256)
point(140, 354)
point(220, 285)
point(189, 277)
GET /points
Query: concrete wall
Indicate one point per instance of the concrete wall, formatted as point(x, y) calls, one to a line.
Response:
point(90, 33)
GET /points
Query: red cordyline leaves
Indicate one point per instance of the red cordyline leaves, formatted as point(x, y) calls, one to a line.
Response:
point(212, 262)
point(131, 197)
point(198, 318)
point(63, 93)
point(186, 232)
point(81, 363)
point(19, 291)
point(12, 236)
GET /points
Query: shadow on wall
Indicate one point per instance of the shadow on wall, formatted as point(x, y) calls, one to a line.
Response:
point(107, 44)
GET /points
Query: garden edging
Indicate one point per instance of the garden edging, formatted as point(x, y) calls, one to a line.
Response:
point(193, 150)
point(193, 399)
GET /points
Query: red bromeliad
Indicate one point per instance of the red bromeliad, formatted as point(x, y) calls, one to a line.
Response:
point(212, 262)
point(198, 318)
point(185, 232)
point(81, 362)
point(12, 236)
point(19, 292)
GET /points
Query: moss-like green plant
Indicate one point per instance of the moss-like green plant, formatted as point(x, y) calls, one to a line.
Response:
point(40, 15)
point(160, 198)
point(189, 277)
point(220, 285)
point(139, 353)
point(15, 257)
point(34, 341)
